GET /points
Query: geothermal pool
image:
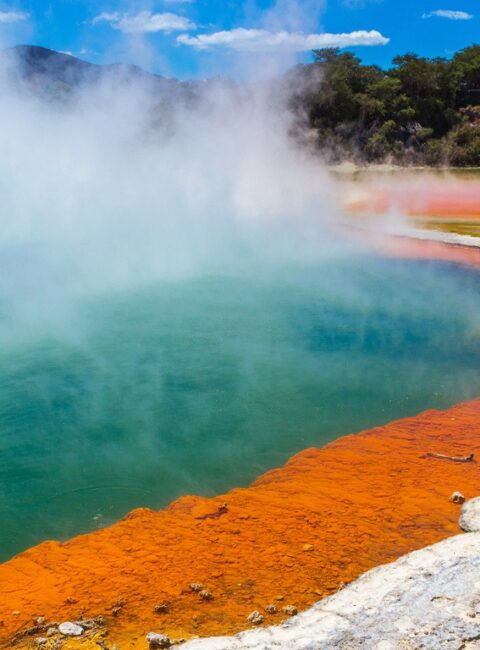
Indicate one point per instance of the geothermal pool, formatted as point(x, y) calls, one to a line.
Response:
point(199, 384)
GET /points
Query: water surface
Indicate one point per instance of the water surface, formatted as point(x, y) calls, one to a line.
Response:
point(201, 384)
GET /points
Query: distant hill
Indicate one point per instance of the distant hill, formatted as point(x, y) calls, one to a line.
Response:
point(49, 71)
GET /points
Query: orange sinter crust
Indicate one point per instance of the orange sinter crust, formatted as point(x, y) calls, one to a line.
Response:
point(296, 535)
point(457, 200)
point(409, 247)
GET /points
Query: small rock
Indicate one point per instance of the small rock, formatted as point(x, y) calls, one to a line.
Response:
point(158, 640)
point(290, 610)
point(71, 601)
point(116, 611)
point(279, 597)
point(163, 608)
point(16, 613)
point(255, 618)
point(196, 586)
point(271, 609)
point(70, 629)
point(120, 603)
point(457, 497)
point(308, 548)
point(470, 516)
point(206, 595)
point(51, 631)
point(102, 644)
point(40, 640)
point(86, 623)
point(39, 620)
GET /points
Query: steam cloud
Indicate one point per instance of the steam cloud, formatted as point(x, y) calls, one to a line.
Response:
point(117, 184)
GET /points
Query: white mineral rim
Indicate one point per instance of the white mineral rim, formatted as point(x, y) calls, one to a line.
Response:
point(470, 516)
point(428, 600)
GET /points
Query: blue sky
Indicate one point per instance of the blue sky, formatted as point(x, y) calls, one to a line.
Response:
point(198, 38)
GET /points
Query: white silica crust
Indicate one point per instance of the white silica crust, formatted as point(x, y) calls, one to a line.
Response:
point(470, 516)
point(426, 600)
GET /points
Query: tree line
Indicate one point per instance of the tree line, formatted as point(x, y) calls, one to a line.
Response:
point(421, 111)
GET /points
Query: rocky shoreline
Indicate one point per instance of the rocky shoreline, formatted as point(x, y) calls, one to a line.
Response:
point(297, 535)
point(426, 600)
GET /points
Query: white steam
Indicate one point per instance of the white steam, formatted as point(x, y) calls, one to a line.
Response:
point(113, 187)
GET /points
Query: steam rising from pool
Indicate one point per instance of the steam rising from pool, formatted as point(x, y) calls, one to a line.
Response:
point(112, 188)
point(178, 313)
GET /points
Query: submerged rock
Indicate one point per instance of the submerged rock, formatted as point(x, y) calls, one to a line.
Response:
point(428, 600)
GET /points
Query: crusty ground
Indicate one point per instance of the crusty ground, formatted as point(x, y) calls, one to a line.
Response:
point(296, 535)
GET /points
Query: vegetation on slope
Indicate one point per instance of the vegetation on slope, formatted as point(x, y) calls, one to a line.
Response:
point(420, 111)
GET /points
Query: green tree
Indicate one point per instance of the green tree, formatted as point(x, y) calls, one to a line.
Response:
point(420, 110)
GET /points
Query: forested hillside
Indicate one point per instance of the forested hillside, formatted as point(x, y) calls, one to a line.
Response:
point(420, 111)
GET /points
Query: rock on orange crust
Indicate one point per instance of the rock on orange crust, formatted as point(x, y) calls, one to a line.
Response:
point(294, 536)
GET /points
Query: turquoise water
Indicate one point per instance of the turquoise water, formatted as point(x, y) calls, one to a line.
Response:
point(198, 385)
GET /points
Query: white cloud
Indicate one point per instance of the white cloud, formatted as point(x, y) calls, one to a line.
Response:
point(12, 16)
point(145, 21)
point(107, 17)
point(358, 4)
point(262, 40)
point(447, 13)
